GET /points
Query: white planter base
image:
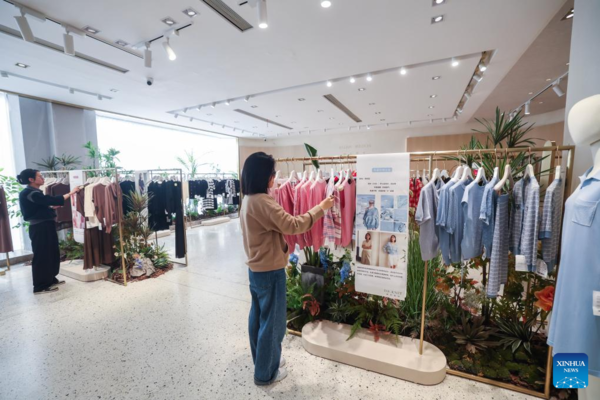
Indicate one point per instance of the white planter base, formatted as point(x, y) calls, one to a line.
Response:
point(74, 269)
point(398, 359)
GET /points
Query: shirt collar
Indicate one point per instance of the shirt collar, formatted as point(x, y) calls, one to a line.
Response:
point(586, 176)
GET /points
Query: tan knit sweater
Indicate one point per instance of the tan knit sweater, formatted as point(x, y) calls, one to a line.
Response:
point(264, 222)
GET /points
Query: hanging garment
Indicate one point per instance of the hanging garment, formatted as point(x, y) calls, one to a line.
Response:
point(110, 210)
point(441, 221)
point(63, 214)
point(97, 248)
point(230, 192)
point(573, 326)
point(180, 249)
point(157, 215)
point(316, 196)
point(499, 259)
point(415, 187)
point(486, 215)
point(127, 188)
point(348, 212)
point(6, 244)
point(209, 199)
point(456, 220)
point(332, 220)
point(304, 207)
point(286, 200)
point(525, 220)
point(298, 197)
point(425, 217)
point(471, 245)
point(186, 191)
point(550, 225)
point(236, 198)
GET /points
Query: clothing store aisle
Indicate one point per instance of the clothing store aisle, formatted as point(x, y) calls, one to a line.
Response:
point(182, 335)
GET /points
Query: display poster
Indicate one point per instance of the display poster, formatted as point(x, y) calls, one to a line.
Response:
point(76, 179)
point(382, 224)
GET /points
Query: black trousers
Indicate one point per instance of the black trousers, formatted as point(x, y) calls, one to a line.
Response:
point(46, 254)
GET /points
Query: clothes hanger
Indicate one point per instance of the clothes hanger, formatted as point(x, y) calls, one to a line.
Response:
point(507, 175)
point(496, 169)
point(529, 168)
point(557, 172)
point(480, 172)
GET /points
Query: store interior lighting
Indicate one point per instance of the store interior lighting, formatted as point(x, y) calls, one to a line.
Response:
point(559, 92)
point(527, 110)
point(263, 22)
point(326, 4)
point(147, 56)
point(169, 49)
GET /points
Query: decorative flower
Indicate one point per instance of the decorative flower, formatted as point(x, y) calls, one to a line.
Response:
point(313, 305)
point(545, 298)
point(345, 271)
point(377, 329)
point(324, 257)
point(294, 259)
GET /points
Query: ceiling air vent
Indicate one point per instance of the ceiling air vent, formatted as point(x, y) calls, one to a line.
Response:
point(342, 107)
point(226, 12)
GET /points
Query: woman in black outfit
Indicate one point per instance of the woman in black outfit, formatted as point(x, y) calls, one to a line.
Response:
point(38, 210)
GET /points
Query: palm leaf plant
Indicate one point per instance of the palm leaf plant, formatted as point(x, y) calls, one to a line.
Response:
point(12, 188)
point(312, 152)
point(514, 333)
point(67, 161)
point(49, 164)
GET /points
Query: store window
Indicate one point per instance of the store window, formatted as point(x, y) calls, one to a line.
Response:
point(7, 164)
point(146, 145)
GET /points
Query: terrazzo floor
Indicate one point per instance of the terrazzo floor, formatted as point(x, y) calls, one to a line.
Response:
point(180, 336)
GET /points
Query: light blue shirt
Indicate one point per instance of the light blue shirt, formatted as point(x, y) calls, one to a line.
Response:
point(391, 248)
point(526, 220)
point(371, 218)
point(455, 225)
point(441, 220)
point(471, 245)
point(487, 215)
point(550, 224)
point(573, 327)
point(424, 216)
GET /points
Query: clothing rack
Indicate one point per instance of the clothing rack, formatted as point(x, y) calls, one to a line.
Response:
point(7, 253)
point(119, 207)
point(175, 170)
point(429, 156)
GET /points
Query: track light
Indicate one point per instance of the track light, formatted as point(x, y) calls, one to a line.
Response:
point(559, 92)
point(213, 105)
point(403, 71)
point(459, 110)
point(3, 74)
point(199, 108)
point(352, 80)
point(482, 67)
point(368, 126)
point(175, 116)
point(477, 78)
point(455, 62)
point(369, 78)
point(247, 99)
point(147, 56)
point(71, 90)
point(169, 50)
point(69, 44)
point(527, 111)
point(227, 102)
point(185, 110)
point(326, 4)
point(263, 22)
point(329, 84)
point(455, 117)
point(25, 29)
point(99, 97)
point(191, 119)
point(468, 96)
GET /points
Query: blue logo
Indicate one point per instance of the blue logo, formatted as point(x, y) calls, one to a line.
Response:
point(570, 370)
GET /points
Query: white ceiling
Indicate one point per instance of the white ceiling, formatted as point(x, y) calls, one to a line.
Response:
point(304, 46)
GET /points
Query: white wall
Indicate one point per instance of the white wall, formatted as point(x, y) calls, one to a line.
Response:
point(584, 71)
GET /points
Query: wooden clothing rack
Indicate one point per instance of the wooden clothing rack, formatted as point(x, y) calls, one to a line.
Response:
point(430, 157)
point(180, 172)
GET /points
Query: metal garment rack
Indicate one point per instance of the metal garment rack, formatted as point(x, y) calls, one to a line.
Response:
point(180, 172)
point(119, 210)
point(430, 156)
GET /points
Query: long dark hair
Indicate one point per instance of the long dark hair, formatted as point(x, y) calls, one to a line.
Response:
point(27, 174)
point(258, 170)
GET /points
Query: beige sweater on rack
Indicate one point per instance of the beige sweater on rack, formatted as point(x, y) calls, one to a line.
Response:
point(264, 222)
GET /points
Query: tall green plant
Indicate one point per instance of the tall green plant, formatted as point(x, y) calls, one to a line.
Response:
point(312, 152)
point(12, 188)
point(102, 160)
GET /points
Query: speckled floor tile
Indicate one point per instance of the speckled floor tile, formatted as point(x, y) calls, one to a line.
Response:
point(180, 336)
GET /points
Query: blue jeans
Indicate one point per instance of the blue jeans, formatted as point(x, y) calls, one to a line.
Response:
point(267, 323)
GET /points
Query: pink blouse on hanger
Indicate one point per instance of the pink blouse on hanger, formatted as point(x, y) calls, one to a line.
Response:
point(316, 196)
point(299, 239)
point(285, 197)
point(348, 212)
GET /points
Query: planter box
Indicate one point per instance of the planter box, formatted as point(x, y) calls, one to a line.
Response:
point(313, 275)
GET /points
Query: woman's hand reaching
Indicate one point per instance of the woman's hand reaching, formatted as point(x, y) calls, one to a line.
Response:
point(327, 203)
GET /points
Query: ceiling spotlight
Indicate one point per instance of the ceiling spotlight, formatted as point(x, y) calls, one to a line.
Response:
point(21, 65)
point(530, 92)
point(190, 12)
point(431, 107)
point(468, 96)
point(191, 119)
point(527, 111)
point(199, 108)
point(454, 62)
point(301, 99)
point(99, 97)
point(263, 22)
point(121, 43)
point(368, 126)
point(559, 92)
point(369, 78)
point(437, 19)
point(247, 99)
point(455, 117)
point(69, 44)
point(185, 110)
point(362, 89)
point(403, 71)
point(91, 30)
point(477, 78)
point(175, 116)
point(371, 104)
point(482, 67)
point(329, 84)
point(548, 79)
point(114, 90)
point(71, 90)
point(227, 102)
point(169, 50)
point(438, 2)
point(147, 56)
point(254, 106)
point(569, 15)
point(435, 78)
point(352, 80)
point(459, 110)
point(326, 4)
point(213, 105)
point(433, 96)
point(169, 21)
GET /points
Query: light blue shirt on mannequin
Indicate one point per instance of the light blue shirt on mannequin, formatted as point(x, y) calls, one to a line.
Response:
point(573, 326)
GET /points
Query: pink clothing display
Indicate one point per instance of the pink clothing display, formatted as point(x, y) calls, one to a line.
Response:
point(316, 196)
point(332, 229)
point(285, 198)
point(348, 211)
point(297, 210)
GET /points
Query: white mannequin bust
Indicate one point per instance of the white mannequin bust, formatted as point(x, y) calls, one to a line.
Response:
point(584, 125)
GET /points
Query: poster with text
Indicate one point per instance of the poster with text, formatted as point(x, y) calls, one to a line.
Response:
point(382, 224)
point(76, 179)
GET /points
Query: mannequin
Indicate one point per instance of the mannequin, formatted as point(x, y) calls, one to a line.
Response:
point(584, 125)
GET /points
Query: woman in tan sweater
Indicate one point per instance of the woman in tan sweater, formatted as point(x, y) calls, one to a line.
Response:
point(264, 222)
